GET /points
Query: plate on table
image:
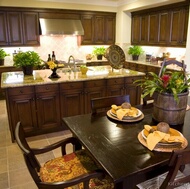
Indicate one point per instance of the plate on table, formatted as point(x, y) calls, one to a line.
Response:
point(115, 56)
point(139, 113)
point(125, 119)
point(172, 132)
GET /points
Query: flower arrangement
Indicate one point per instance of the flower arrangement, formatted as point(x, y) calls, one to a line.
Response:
point(52, 65)
point(173, 82)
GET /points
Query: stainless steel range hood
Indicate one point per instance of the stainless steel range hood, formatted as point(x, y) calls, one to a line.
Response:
point(61, 27)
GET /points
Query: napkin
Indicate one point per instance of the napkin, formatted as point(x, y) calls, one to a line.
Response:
point(121, 113)
point(156, 136)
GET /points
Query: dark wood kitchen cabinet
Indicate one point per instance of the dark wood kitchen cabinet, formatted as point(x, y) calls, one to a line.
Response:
point(115, 87)
point(30, 21)
point(19, 28)
point(36, 107)
point(88, 25)
point(179, 26)
point(133, 90)
point(139, 29)
point(153, 19)
point(71, 99)
point(47, 107)
point(99, 28)
point(14, 26)
point(93, 89)
point(163, 26)
point(40, 108)
point(3, 29)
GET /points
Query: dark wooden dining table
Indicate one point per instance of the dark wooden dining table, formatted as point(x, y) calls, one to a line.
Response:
point(115, 146)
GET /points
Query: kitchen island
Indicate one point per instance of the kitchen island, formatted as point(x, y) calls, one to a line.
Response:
point(40, 103)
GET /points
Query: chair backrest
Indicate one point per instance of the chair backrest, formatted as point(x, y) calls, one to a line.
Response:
point(178, 160)
point(169, 62)
point(30, 159)
point(104, 103)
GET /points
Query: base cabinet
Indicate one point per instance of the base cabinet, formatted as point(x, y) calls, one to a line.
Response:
point(71, 99)
point(41, 108)
point(47, 107)
point(38, 111)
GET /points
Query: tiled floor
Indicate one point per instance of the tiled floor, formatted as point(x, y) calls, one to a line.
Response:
point(13, 171)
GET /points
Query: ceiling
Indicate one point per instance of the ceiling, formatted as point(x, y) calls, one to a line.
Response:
point(114, 3)
point(96, 2)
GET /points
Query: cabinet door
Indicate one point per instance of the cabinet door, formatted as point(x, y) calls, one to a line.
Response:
point(48, 107)
point(72, 99)
point(3, 29)
point(93, 89)
point(99, 30)
point(135, 30)
point(179, 24)
point(23, 109)
point(163, 28)
point(88, 25)
point(133, 90)
point(139, 29)
point(153, 29)
point(115, 87)
point(15, 28)
point(31, 28)
point(110, 30)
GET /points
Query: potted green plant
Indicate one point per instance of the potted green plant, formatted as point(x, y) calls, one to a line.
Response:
point(135, 51)
point(170, 91)
point(99, 52)
point(27, 60)
point(3, 54)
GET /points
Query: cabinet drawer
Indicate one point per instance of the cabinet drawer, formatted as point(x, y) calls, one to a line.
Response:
point(130, 80)
point(20, 90)
point(141, 68)
point(95, 83)
point(46, 88)
point(115, 81)
point(71, 85)
point(132, 66)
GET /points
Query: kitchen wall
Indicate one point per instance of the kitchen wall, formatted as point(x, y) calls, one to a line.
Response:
point(65, 46)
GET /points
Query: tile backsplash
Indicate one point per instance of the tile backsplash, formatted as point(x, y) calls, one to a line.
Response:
point(64, 46)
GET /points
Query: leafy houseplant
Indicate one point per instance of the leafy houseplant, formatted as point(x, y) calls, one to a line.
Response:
point(99, 52)
point(169, 82)
point(3, 54)
point(135, 51)
point(27, 60)
point(170, 90)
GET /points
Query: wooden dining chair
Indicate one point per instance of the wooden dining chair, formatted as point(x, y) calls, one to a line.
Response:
point(76, 170)
point(174, 177)
point(104, 103)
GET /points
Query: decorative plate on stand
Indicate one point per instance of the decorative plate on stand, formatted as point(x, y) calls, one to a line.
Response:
point(115, 56)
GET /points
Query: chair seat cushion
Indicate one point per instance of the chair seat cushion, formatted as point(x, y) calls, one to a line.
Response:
point(70, 166)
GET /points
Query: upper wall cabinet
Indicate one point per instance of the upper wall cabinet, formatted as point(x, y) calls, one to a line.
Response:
point(98, 29)
point(19, 28)
point(164, 26)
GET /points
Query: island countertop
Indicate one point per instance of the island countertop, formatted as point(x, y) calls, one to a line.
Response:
point(40, 77)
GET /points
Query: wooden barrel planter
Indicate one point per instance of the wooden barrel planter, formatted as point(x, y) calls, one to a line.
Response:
point(168, 110)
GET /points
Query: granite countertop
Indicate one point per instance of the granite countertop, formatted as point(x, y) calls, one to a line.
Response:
point(40, 77)
point(172, 66)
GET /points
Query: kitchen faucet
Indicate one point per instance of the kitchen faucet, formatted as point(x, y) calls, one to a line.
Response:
point(69, 61)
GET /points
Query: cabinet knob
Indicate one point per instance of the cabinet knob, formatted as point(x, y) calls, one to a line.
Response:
point(47, 88)
point(21, 91)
